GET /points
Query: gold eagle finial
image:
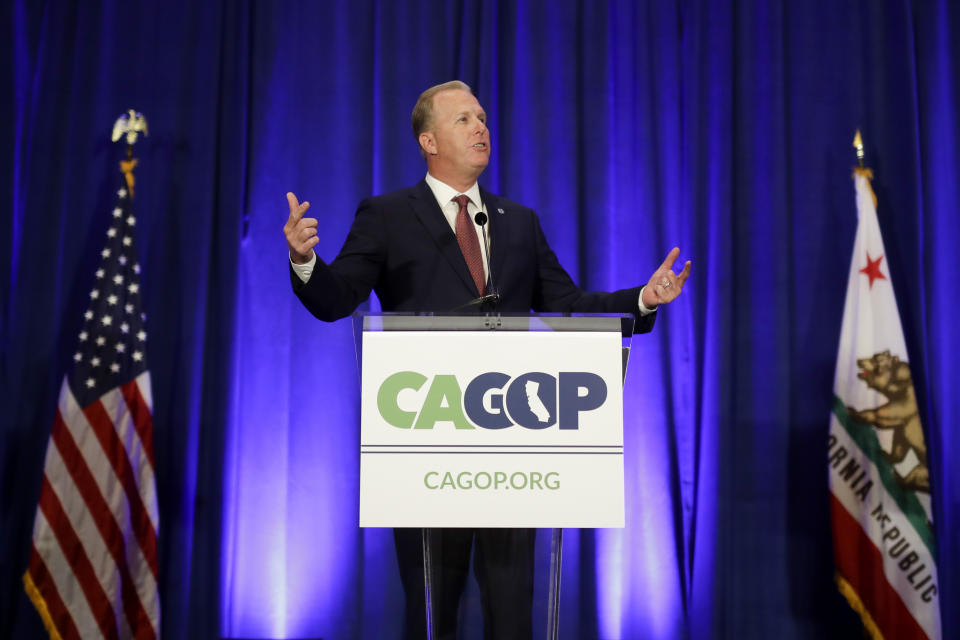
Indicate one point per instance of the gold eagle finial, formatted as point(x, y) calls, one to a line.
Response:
point(131, 123)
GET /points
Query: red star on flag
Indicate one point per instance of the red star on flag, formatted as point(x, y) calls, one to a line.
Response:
point(872, 270)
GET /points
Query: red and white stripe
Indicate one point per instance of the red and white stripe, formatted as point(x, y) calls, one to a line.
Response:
point(94, 558)
point(860, 562)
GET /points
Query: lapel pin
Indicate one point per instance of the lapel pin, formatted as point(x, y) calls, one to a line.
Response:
point(500, 211)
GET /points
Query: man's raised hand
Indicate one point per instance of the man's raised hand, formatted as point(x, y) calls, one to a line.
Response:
point(665, 285)
point(301, 232)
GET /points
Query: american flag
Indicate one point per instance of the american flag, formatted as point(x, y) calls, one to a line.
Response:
point(93, 563)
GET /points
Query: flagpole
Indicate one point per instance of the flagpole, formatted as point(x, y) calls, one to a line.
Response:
point(858, 145)
point(869, 475)
point(94, 564)
point(129, 125)
point(860, 169)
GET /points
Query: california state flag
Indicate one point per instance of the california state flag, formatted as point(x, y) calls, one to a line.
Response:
point(883, 538)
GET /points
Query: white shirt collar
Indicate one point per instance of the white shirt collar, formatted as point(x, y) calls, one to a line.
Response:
point(444, 193)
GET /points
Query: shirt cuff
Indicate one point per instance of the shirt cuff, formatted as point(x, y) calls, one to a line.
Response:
point(644, 310)
point(304, 271)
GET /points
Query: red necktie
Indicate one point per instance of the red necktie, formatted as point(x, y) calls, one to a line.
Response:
point(469, 245)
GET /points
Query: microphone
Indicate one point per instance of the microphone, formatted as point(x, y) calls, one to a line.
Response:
point(490, 301)
point(481, 219)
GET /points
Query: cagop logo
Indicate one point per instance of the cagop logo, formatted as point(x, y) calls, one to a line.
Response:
point(534, 400)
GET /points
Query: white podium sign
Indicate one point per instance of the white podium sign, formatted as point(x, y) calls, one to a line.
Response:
point(491, 429)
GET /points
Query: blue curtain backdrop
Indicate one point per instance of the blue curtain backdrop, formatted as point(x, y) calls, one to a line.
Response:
point(720, 126)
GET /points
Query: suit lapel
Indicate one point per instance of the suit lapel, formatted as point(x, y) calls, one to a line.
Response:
point(428, 211)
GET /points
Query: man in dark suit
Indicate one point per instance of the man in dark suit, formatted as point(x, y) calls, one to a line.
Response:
point(421, 249)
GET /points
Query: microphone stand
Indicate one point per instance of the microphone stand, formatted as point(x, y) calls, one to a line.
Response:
point(489, 302)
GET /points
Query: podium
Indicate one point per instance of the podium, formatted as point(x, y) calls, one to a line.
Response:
point(492, 421)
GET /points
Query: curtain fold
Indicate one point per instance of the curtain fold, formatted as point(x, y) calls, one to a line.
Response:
point(723, 127)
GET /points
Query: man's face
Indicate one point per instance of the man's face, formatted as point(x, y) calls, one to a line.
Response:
point(458, 146)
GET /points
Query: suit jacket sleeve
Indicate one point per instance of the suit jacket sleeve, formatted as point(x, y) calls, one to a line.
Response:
point(335, 290)
point(400, 245)
point(556, 291)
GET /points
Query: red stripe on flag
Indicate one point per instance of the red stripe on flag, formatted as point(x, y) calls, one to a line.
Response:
point(142, 419)
point(59, 615)
point(76, 557)
point(100, 512)
point(860, 563)
point(117, 455)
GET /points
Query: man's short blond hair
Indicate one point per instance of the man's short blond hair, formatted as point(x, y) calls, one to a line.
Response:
point(422, 117)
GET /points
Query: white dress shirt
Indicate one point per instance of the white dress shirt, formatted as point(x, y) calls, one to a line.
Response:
point(445, 195)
